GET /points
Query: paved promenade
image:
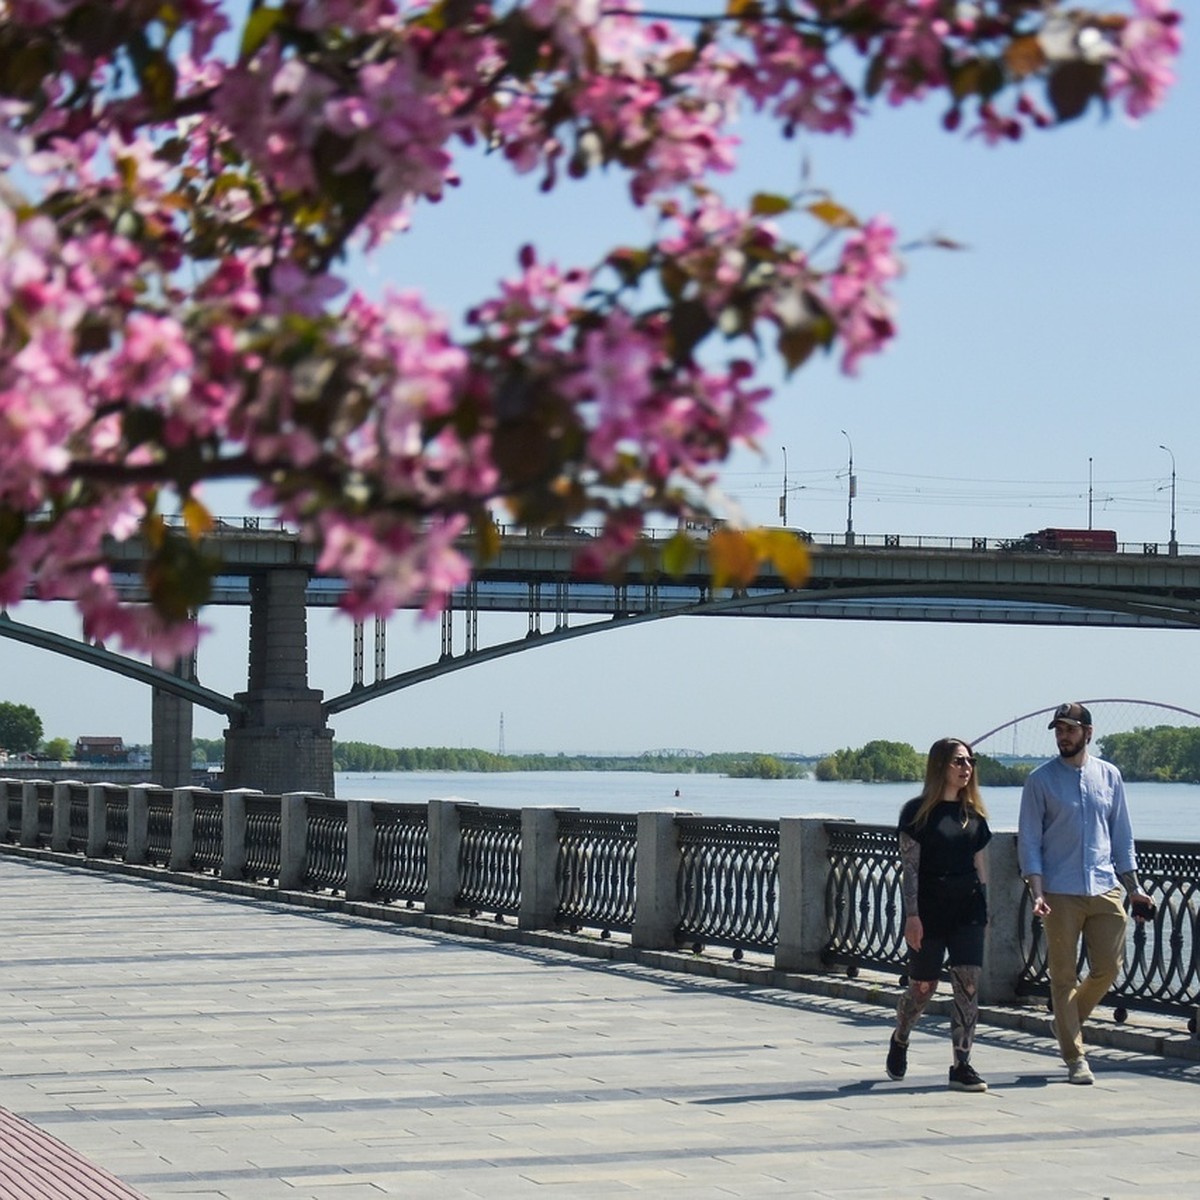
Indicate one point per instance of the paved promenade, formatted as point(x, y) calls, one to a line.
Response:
point(200, 1045)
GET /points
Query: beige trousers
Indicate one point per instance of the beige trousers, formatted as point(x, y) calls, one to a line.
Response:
point(1100, 921)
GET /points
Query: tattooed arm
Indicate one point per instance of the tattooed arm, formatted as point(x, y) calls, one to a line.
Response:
point(910, 862)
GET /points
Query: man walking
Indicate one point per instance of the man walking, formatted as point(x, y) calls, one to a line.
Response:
point(1074, 842)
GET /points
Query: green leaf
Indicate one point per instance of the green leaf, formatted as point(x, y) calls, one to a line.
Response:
point(260, 26)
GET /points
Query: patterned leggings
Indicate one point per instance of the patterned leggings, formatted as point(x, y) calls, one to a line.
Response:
point(964, 1012)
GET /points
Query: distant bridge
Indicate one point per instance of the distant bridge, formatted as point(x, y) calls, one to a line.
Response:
point(1030, 732)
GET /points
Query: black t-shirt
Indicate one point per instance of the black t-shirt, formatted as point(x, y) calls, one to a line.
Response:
point(948, 843)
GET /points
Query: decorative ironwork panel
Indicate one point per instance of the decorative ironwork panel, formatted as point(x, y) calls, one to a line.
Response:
point(863, 899)
point(401, 851)
point(45, 811)
point(489, 860)
point(264, 836)
point(1160, 972)
point(208, 831)
point(158, 826)
point(77, 810)
point(728, 882)
point(325, 846)
point(116, 822)
point(595, 873)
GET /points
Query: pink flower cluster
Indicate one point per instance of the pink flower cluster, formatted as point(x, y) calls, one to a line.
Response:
point(172, 309)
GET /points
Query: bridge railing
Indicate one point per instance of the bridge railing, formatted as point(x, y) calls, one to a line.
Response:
point(809, 894)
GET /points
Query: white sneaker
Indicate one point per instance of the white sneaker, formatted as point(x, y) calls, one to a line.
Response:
point(1079, 1072)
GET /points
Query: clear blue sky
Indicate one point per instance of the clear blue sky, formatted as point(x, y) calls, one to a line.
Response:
point(1065, 332)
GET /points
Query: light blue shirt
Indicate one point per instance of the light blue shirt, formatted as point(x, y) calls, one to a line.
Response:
point(1074, 829)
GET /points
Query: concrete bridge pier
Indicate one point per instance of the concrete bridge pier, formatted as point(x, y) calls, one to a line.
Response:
point(281, 743)
point(171, 732)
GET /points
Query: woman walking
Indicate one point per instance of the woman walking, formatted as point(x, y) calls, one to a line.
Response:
point(943, 877)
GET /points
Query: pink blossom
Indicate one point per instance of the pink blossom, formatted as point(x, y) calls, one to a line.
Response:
point(1148, 48)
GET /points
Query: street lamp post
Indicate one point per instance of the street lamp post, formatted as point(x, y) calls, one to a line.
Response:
point(1173, 545)
point(783, 494)
point(850, 490)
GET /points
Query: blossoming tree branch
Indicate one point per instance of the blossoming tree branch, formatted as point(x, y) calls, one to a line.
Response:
point(181, 196)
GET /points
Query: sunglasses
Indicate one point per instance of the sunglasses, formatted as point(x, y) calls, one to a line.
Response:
point(962, 760)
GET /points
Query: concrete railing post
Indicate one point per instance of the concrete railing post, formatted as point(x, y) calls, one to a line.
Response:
point(442, 867)
point(233, 831)
point(293, 840)
point(539, 868)
point(29, 812)
point(137, 835)
point(803, 875)
point(360, 850)
point(656, 914)
point(183, 829)
point(1002, 949)
point(97, 835)
point(60, 835)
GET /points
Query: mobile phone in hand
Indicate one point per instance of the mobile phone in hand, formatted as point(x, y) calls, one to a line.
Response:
point(1144, 910)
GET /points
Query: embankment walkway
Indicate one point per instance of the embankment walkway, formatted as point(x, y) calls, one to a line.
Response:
point(200, 1045)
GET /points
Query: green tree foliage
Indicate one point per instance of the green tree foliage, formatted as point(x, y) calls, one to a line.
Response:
point(991, 773)
point(20, 728)
point(59, 749)
point(764, 766)
point(876, 762)
point(1162, 754)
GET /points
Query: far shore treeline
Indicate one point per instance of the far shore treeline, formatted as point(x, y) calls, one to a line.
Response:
point(1162, 754)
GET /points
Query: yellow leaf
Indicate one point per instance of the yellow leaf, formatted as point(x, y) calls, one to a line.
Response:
point(768, 204)
point(742, 8)
point(197, 520)
point(678, 554)
point(833, 214)
point(154, 530)
point(733, 561)
point(790, 556)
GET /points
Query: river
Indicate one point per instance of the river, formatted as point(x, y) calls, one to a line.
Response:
point(1160, 811)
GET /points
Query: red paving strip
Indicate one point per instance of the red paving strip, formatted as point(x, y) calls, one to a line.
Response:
point(35, 1166)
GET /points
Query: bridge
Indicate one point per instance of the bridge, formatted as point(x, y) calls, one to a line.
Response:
point(278, 738)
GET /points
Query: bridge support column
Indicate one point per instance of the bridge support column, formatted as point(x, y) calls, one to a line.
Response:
point(171, 733)
point(281, 743)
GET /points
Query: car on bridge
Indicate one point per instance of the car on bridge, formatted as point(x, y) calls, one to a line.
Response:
point(1095, 541)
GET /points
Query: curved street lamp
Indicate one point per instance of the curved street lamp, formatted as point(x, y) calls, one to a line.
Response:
point(1173, 545)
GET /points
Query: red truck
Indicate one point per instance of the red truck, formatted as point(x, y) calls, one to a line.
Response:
point(1094, 541)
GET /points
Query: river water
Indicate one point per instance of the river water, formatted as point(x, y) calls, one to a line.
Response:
point(1160, 811)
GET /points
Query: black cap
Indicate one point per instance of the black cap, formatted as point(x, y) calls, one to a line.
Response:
point(1071, 714)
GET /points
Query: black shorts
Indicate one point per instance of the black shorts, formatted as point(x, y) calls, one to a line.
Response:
point(963, 943)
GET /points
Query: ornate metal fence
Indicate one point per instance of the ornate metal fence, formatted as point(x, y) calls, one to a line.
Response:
point(489, 860)
point(264, 832)
point(116, 824)
point(45, 811)
point(325, 856)
point(729, 882)
point(1160, 972)
point(595, 873)
point(863, 901)
point(401, 852)
point(77, 818)
point(208, 826)
point(159, 816)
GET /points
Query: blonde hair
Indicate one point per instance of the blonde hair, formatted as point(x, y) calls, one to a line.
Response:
point(940, 754)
